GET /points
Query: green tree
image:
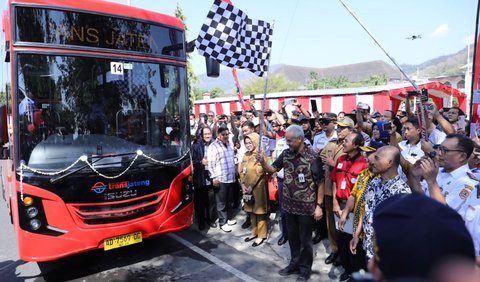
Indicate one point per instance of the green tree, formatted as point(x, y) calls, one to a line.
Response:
point(327, 82)
point(216, 92)
point(313, 81)
point(192, 78)
point(376, 79)
point(198, 93)
point(276, 83)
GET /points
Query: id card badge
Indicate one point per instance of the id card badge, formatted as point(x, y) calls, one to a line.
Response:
point(343, 185)
point(301, 178)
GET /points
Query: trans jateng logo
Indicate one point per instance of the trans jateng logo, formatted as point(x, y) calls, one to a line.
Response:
point(100, 187)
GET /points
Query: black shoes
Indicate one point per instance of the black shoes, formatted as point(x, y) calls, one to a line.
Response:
point(331, 258)
point(246, 224)
point(213, 225)
point(318, 237)
point(282, 240)
point(255, 244)
point(290, 269)
point(248, 239)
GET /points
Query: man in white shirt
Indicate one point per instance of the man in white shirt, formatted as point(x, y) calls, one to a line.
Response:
point(454, 184)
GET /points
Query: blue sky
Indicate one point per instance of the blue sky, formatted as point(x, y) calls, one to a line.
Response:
point(321, 33)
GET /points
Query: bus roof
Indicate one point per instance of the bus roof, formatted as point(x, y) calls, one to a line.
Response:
point(105, 7)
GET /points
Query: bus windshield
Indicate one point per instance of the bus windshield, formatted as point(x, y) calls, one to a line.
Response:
point(69, 106)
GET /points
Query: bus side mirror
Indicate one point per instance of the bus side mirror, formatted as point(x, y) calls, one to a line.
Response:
point(213, 67)
point(3, 125)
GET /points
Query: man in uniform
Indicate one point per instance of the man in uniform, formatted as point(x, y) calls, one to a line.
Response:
point(320, 140)
point(330, 155)
point(327, 134)
point(454, 184)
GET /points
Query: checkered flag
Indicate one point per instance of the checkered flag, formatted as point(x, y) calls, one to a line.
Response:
point(235, 40)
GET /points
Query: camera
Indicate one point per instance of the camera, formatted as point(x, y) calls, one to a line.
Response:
point(387, 127)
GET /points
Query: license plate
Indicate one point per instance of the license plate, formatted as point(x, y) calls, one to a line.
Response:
point(122, 241)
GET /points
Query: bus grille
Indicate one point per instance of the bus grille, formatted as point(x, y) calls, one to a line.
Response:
point(117, 212)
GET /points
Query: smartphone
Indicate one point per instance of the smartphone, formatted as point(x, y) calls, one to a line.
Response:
point(289, 101)
point(429, 107)
point(461, 122)
point(424, 95)
point(238, 113)
point(387, 127)
point(313, 103)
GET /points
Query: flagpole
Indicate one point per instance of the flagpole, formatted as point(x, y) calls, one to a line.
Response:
point(422, 115)
point(264, 102)
point(381, 47)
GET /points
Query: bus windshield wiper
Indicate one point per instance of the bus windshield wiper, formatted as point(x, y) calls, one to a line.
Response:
point(96, 157)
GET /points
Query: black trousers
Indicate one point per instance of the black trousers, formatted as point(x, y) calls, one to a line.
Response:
point(205, 206)
point(283, 220)
point(223, 198)
point(350, 262)
point(299, 230)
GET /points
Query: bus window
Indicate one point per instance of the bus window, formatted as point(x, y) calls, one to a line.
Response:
point(86, 104)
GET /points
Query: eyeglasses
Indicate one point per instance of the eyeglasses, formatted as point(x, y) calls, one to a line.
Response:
point(340, 128)
point(210, 115)
point(445, 150)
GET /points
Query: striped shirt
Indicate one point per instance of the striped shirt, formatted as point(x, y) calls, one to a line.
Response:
point(221, 163)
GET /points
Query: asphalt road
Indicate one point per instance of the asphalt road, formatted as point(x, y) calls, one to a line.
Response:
point(189, 255)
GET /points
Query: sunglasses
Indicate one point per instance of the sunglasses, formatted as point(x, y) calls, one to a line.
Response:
point(399, 116)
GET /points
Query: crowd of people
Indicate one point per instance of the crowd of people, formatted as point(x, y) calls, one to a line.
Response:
point(390, 198)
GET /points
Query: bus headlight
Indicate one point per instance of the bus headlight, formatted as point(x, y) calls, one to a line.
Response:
point(31, 212)
point(35, 224)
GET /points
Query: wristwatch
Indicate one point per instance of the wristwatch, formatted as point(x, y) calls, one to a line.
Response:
point(322, 205)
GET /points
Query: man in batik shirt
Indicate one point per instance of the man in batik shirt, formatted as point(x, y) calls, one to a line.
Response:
point(385, 163)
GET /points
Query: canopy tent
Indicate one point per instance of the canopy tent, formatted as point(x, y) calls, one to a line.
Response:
point(380, 98)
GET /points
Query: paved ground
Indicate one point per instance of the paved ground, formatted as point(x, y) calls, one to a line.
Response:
point(190, 255)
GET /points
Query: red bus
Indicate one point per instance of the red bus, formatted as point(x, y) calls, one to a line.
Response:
point(97, 155)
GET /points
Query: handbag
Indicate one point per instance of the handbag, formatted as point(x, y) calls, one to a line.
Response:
point(272, 190)
point(249, 198)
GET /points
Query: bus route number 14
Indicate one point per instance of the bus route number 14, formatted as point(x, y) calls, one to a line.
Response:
point(116, 68)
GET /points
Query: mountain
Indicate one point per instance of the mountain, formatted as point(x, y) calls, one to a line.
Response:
point(441, 66)
point(353, 72)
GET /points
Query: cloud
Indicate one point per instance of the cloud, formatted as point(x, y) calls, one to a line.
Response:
point(441, 31)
